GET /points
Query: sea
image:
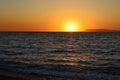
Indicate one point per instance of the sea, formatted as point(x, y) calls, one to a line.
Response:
point(77, 56)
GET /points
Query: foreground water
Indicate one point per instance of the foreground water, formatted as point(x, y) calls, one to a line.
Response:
point(86, 56)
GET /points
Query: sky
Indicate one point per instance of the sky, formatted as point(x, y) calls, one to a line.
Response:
point(51, 15)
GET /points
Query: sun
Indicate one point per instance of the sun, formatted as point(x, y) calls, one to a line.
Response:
point(71, 26)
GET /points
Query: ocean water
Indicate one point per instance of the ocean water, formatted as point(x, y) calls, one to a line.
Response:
point(79, 56)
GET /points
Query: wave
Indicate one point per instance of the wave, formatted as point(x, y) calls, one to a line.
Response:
point(61, 51)
point(38, 70)
point(11, 53)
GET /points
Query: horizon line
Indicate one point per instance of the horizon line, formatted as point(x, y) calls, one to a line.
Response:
point(87, 30)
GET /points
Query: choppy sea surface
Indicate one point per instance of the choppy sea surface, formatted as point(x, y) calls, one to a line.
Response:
point(82, 56)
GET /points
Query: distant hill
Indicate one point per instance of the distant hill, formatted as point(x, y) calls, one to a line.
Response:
point(101, 30)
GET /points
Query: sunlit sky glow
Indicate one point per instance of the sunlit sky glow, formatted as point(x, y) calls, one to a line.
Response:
point(51, 15)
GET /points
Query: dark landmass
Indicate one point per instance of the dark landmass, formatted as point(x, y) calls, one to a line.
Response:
point(101, 30)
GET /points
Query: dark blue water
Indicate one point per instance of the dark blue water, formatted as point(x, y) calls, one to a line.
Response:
point(87, 56)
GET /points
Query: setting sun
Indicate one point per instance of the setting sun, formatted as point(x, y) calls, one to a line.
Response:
point(71, 26)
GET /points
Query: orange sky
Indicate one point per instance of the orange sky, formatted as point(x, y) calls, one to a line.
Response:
point(51, 15)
